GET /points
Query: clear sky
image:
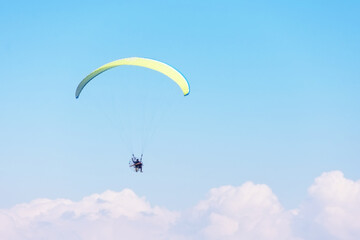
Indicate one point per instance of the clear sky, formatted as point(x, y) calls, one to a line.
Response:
point(274, 97)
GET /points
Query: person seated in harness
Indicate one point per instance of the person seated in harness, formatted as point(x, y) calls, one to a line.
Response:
point(137, 164)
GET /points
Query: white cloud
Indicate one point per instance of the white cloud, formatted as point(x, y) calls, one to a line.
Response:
point(99, 216)
point(333, 208)
point(249, 211)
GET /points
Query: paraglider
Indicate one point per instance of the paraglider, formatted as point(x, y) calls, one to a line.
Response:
point(158, 66)
point(136, 163)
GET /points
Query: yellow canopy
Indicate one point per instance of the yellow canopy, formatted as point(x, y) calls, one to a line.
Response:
point(163, 68)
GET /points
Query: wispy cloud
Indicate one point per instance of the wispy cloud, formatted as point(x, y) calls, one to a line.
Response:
point(249, 211)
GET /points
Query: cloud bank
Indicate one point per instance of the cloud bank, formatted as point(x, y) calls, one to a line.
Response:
point(250, 211)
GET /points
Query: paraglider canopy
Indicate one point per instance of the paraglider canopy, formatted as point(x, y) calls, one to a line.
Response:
point(163, 68)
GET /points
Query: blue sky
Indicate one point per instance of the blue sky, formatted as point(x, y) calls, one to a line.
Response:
point(274, 97)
